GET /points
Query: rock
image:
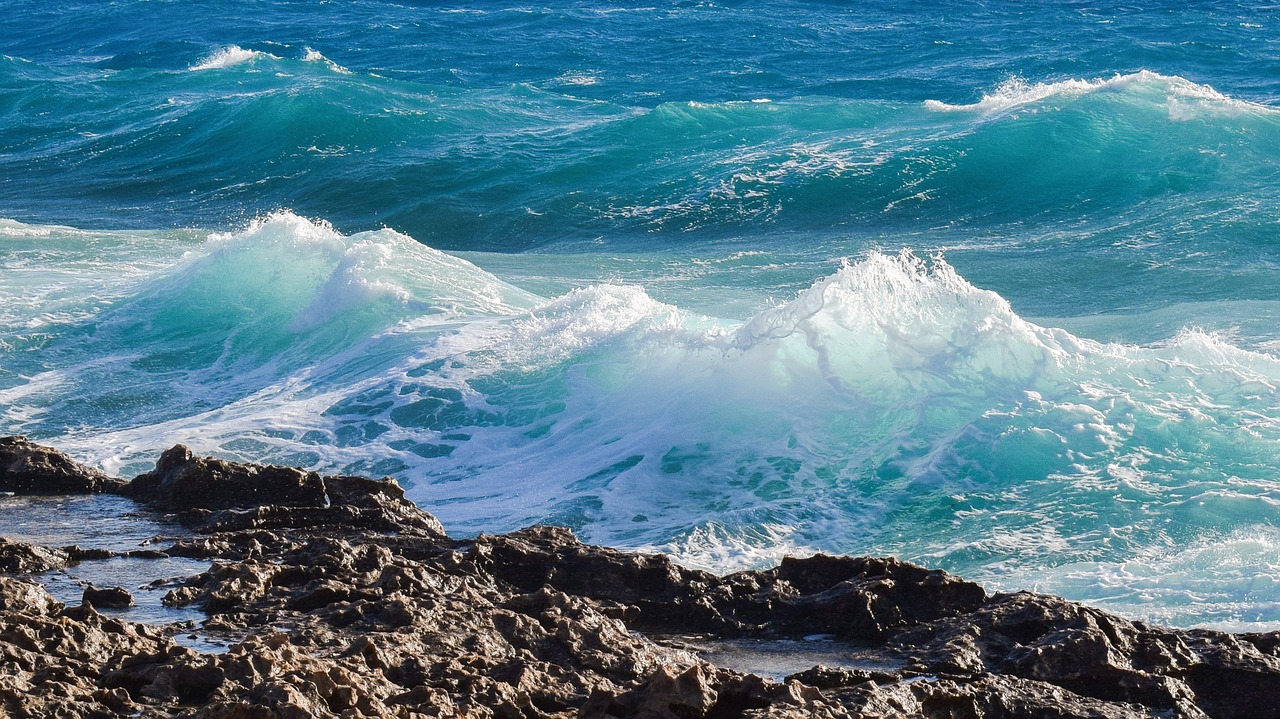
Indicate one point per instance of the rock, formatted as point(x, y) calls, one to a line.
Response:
point(184, 481)
point(1101, 656)
point(683, 694)
point(218, 496)
point(109, 598)
point(21, 597)
point(20, 558)
point(29, 468)
point(344, 600)
point(52, 657)
point(864, 599)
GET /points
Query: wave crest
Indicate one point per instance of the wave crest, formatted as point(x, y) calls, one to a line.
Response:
point(1016, 92)
point(230, 56)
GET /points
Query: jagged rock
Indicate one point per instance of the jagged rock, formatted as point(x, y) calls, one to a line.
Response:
point(21, 558)
point(852, 598)
point(183, 481)
point(22, 597)
point(1099, 655)
point(108, 598)
point(29, 468)
point(344, 600)
point(214, 495)
point(52, 657)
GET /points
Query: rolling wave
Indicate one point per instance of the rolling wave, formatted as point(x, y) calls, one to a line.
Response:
point(517, 167)
point(230, 56)
point(892, 406)
point(1173, 91)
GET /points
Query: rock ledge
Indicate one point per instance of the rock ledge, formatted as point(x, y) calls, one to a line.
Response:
point(346, 600)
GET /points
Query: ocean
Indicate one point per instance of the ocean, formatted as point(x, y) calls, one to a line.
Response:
point(991, 287)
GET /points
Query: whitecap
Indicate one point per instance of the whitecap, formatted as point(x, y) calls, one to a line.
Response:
point(315, 56)
point(229, 56)
point(1017, 92)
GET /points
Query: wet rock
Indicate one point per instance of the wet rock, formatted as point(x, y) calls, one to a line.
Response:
point(1101, 656)
point(107, 598)
point(29, 468)
point(183, 481)
point(21, 558)
point(23, 597)
point(851, 598)
point(52, 658)
point(341, 599)
point(217, 496)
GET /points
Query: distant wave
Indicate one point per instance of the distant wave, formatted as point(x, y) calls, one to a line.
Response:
point(558, 169)
point(1017, 92)
point(230, 56)
point(315, 56)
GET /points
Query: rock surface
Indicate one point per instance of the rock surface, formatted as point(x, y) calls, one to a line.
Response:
point(216, 495)
point(29, 468)
point(107, 597)
point(22, 558)
point(345, 600)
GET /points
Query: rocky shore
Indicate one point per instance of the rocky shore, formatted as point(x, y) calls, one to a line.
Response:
point(339, 598)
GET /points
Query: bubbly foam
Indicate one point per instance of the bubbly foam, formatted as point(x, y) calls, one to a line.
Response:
point(1178, 92)
point(1230, 582)
point(230, 56)
point(890, 407)
point(314, 56)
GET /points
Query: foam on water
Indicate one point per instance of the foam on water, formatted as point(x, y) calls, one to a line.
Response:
point(239, 314)
point(1016, 92)
point(230, 56)
point(641, 324)
point(890, 407)
point(526, 165)
point(314, 56)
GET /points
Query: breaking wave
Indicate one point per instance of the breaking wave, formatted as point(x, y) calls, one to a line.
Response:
point(890, 407)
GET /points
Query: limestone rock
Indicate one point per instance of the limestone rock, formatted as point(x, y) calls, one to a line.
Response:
point(182, 481)
point(214, 495)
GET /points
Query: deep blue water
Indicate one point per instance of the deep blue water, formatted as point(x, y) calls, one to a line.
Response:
point(988, 286)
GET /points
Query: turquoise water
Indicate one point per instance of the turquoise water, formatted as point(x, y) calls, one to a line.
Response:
point(990, 288)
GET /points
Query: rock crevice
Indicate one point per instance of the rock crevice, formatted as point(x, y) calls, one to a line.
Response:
point(343, 599)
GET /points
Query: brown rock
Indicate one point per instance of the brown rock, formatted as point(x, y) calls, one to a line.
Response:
point(183, 481)
point(347, 601)
point(22, 597)
point(685, 694)
point(29, 468)
point(108, 598)
point(218, 496)
point(21, 558)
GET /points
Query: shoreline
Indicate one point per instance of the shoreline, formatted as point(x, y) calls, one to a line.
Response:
point(335, 596)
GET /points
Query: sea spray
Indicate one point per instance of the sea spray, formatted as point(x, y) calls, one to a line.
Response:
point(890, 407)
point(650, 283)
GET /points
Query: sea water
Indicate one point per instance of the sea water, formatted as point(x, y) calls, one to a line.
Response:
point(988, 287)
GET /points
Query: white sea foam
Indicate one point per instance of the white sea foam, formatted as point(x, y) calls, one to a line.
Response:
point(229, 56)
point(891, 407)
point(13, 228)
point(315, 56)
point(1183, 97)
point(1226, 582)
point(580, 79)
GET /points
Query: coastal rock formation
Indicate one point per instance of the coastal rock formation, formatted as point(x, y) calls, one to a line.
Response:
point(216, 495)
point(107, 597)
point(341, 599)
point(22, 558)
point(29, 468)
